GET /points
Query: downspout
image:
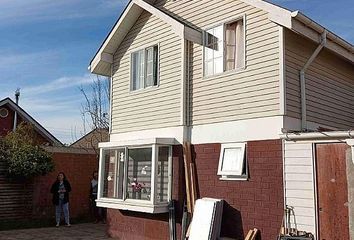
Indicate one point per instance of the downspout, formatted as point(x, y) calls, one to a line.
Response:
point(303, 80)
point(17, 97)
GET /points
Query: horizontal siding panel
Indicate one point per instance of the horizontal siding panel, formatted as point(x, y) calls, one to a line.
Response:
point(298, 185)
point(161, 105)
point(306, 169)
point(300, 203)
point(296, 176)
point(297, 146)
point(329, 85)
point(251, 93)
point(298, 161)
point(298, 153)
point(300, 194)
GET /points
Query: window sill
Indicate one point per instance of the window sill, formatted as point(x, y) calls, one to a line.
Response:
point(143, 90)
point(225, 74)
point(233, 178)
point(132, 205)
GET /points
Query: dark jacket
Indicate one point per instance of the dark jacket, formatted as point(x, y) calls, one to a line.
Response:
point(55, 188)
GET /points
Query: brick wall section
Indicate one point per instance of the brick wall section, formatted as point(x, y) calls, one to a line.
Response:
point(128, 225)
point(249, 204)
point(78, 168)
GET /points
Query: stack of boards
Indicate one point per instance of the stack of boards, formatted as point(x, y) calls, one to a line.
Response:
point(206, 222)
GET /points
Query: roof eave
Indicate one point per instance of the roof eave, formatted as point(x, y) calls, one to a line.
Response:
point(102, 61)
point(303, 25)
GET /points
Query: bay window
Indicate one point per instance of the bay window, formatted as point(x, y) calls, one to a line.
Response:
point(144, 68)
point(135, 178)
point(224, 47)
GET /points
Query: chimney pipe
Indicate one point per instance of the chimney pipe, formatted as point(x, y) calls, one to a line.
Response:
point(17, 97)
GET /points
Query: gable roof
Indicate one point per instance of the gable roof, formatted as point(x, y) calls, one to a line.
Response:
point(25, 116)
point(93, 138)
point(101, 63)
point(295, 21)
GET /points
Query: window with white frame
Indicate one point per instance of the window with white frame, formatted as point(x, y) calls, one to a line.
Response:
point(135, 178)
point(232, 161)
point(144, 68)
point(224, 48)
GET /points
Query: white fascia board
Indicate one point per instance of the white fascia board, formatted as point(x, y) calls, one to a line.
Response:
point(235, 131)
point(126, 21)
point(306, 27)
point(179, 28)
point(176, 26)
point(100, 59)
point(138, 142)
point(130, 9)
point(178, 133)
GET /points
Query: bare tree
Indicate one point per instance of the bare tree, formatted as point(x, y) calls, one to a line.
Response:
point(95, 112)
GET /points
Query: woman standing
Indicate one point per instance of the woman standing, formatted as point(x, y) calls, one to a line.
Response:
point(98, 212)
point(60, 190)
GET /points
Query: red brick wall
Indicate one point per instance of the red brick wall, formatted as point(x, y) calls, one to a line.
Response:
point(249, 204)
point(78, 169)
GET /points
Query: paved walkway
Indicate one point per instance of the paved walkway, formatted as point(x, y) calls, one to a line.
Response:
point(87, 231)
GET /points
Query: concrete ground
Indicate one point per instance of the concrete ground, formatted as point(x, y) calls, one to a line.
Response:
point(87, 231)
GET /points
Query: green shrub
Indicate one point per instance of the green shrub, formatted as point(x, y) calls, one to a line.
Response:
point(23, 156)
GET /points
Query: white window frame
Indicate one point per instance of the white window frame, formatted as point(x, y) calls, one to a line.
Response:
point(144, 48)
point(223, 23)
point(231, 175)
point(148, 206)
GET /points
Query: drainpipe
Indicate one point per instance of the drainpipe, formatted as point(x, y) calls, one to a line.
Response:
point(17, 97)
point(303, 82)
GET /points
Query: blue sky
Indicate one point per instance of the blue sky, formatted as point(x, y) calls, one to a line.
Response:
point(46, 45)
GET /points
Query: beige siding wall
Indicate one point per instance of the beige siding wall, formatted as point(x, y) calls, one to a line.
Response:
point(251, 93)
point(329, 84)
point(155, 107)
point(299, 185)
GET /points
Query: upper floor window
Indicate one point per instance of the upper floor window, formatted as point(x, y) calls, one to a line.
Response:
point(144, 70)
point(224, 47)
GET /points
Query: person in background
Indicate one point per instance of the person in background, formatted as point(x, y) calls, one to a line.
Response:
point(98, 212)
point(60, 190)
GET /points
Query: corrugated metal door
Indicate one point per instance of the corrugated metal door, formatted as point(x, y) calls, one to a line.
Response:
point(332, 191)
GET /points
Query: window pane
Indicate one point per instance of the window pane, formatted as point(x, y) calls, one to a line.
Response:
point(149, 67)
point(162, 174)
point(139, 173)
point(214, 51)
point(233, 160)
point(120, 156)
point(209, 70)
point(137, 70)
point(218, 65)
point(219, 33)
point(155, 65)
point(208, 53)
point(234, 45)
point(109, 173)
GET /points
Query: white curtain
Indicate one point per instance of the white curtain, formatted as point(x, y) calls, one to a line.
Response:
point(234, 45)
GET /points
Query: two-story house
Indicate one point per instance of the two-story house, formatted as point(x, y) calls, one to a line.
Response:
point(247, 83)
